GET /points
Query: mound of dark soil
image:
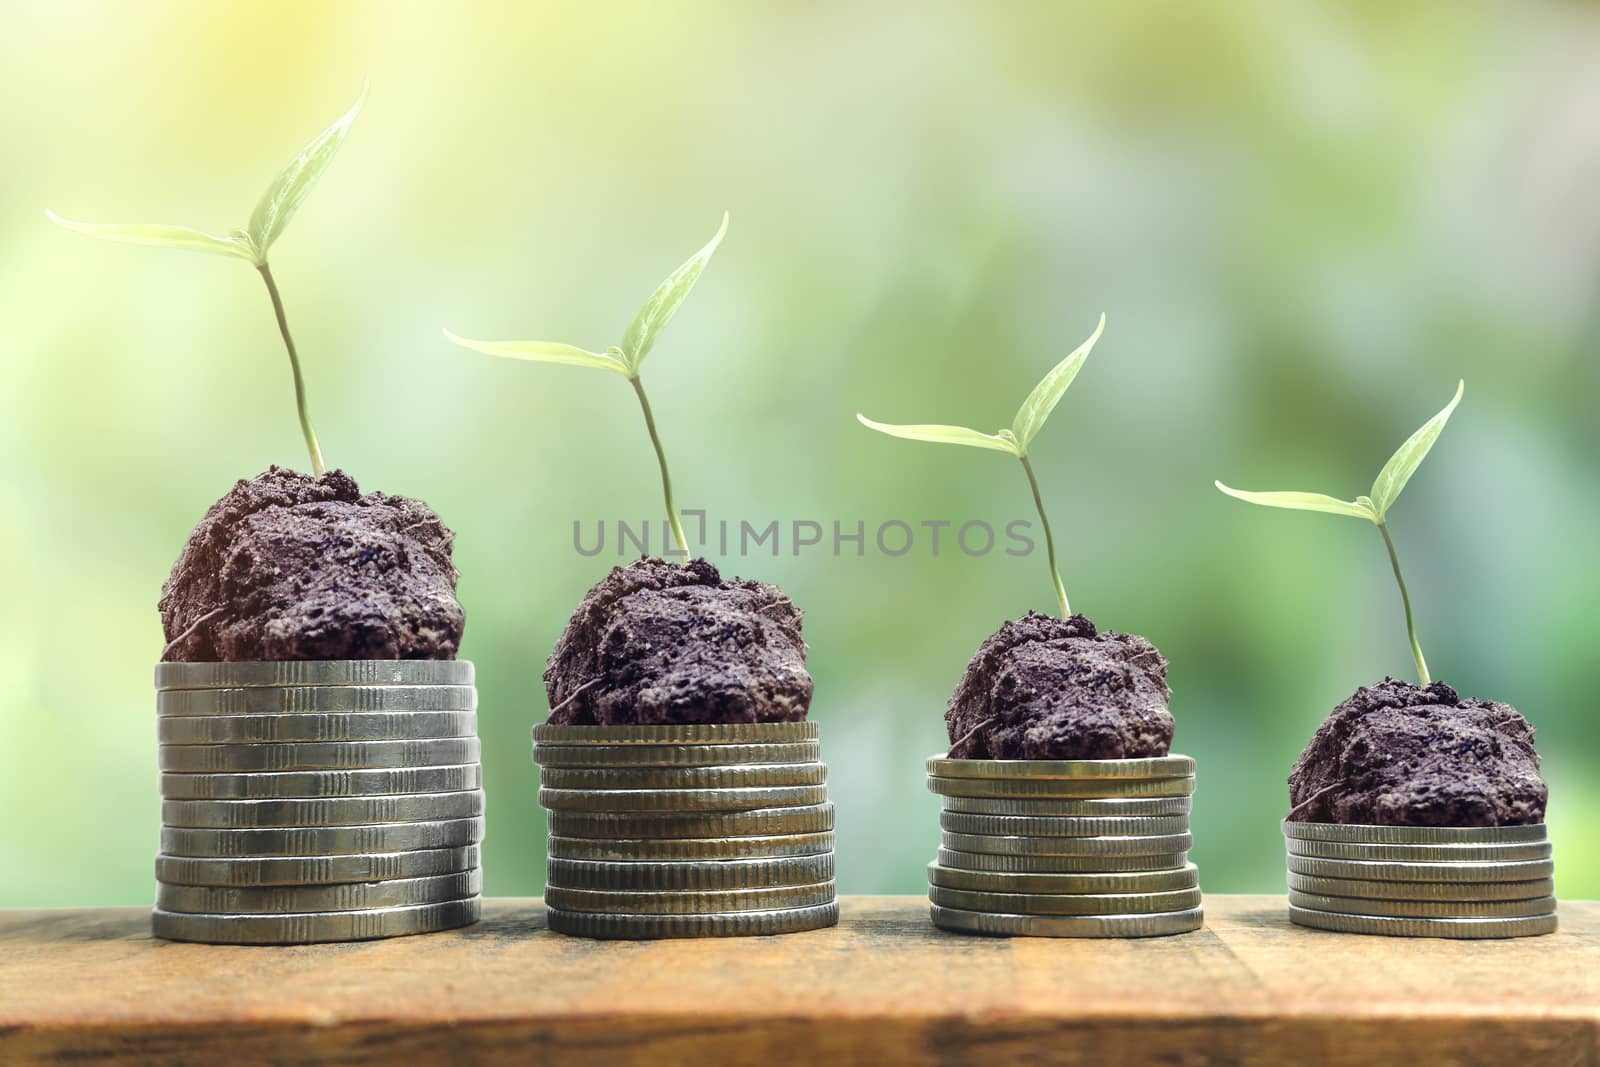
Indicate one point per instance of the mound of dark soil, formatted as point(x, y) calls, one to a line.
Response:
point(1049, 688)
point(664, 643)
point(290, 567)
point(1395, 754)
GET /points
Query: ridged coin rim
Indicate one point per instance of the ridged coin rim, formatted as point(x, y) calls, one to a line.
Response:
point(1185, 877)
point(318, 700)
point(942, 766)
point(999, 925)
point(346, 896)
point(316, 927)
point(1395, 871)
point(740, 733)
point(755, 822)
point(671, 849)
point(1090, 807)
point(994, 844)
point(296, 785)
point(1075, 904)
point(1413, 835)
point(203, 843)
point(1341, 850)
point(618, 902)
point(1466, 929)
point(326, 811)
point(619, 756)
point(318, 755)
point(1061, 788)
point(287, 673)
point(690, 875)
point(978, 861)
point(682, 800)
point(315, 870)
point(1439, 891)
point(730, 924)
point(1426, 909)
point(1062, 825)
point(761, 776)
point(307, 727)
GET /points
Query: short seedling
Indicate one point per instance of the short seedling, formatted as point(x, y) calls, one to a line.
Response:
point(1374, 508)
point(1029, 420)
point(267, 222)
point(625, 360)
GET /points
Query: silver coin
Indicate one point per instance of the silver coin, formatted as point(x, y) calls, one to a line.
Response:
point(315, 870)
point(295, 784)
point(979, 922)
point(1454, 928)
point(688, 848)
point(351, 896)
point(313, 927)
point(1437, 891)
point(1413, 835)
point(1397, 871)
point(736, 733)
point(682, 800)
point(614, 902)
point(1339, 850)
point(728, 924)
point(1064, 788)
point(318, 756)
point(321, 840)
point(1120, 807)
point(281, 673)
point(305, 726)
point(675, 755)
point(759, 777)
point(318, 699)
point(1061, 825)
point(760, 822)
point(994, 844)
point(1065, 903)
point(1427, 909)
point(331, 811)
point(981, 861)
point(1153, 767)
point(1186, 877)
point(691, 875)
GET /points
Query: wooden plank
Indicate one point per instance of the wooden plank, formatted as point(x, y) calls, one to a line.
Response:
point(883, 988)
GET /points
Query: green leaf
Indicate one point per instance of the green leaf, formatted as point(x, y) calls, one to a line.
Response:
point(1356, 509)
point(1034, 410)
point(544, 352)
point(947, 435)
point(161, 236)
point(278, 204)
point(1403, 464)
point(663, 303)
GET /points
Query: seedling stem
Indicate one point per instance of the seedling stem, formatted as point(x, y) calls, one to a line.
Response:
point(317, 467)
point(661, 457)
point(1405, 598)
point(1049, 541)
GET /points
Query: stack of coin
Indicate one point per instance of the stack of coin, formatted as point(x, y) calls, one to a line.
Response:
point(1421, 881)
point(333, 800)
point(686, 831)
point(1065, 848)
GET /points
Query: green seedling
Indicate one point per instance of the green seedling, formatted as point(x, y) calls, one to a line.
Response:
point(637, 341)
point(1029, 420)
point(1374, 508)
point(267, 222)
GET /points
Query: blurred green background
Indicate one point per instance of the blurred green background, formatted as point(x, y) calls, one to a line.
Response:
point(1303, 221)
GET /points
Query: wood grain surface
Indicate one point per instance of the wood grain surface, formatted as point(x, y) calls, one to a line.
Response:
point(883, 988)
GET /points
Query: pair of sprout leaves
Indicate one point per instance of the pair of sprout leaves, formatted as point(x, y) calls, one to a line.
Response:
point(286, 192)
